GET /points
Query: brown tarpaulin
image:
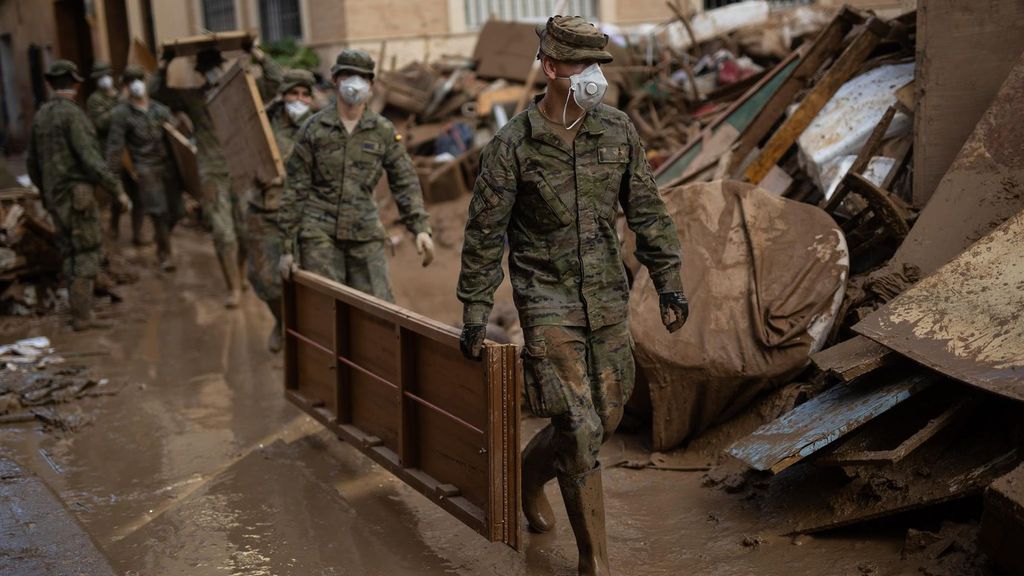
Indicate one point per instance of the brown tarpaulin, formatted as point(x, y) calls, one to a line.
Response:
point(764, 276)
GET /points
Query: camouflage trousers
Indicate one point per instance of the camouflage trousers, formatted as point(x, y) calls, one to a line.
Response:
point(360, 265)
point(77, 220)
point(581, 379)
point(224, 212)
point(265, 249)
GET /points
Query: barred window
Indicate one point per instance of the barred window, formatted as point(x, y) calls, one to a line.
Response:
point(479, 11)
point(219, 15)
point(712, 4)
point(280, 19)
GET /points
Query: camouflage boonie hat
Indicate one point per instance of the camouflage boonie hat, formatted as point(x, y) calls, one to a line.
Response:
point(297, 77)
point(99, 69)
point(133, 73)
point(357, 61)
point(572, 39)
point(61, 67)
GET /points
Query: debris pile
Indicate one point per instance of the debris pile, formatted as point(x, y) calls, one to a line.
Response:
point(34, 379)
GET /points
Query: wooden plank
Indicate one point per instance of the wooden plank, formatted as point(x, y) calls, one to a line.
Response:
point(843, 69)
point(823, 420)
point(888, 209)
point(402, 394)
point(222, 41)
point(853, 358)
point(967, 319)
point(964, 52)
point(242, 127)
point(824, 46)
point(860, 164)
point(185, 160)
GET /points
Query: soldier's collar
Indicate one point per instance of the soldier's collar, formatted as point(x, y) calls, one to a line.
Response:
point(330, 117)
point(539, 129)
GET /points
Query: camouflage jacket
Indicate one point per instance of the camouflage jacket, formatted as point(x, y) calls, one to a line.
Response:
point(285, 131)
point(556, 205)
point(332, 174)
point(192, 101)
point(63, 152)
point(100, 106)
point(141, 132)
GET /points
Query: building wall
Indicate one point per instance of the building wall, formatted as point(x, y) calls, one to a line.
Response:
point(27, 22)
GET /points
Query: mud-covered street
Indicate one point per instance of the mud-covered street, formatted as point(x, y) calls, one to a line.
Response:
point(199, 466)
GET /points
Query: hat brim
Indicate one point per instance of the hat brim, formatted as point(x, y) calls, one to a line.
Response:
point(287, 86)
point(339, 68)
point(74, 75)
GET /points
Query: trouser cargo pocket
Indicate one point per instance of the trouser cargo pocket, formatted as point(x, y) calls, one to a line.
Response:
point(545, 393)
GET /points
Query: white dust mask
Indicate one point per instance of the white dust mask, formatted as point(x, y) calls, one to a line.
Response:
point(354, 90)
point(296, 109)
point(587, 89)
point(105, 83)
point(137, 88)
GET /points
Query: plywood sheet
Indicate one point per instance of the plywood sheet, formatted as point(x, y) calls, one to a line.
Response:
point(185, 160)
point(967, 319)
point(505, 50)
point(964, 52)
point(243, 129)
point(394, 385)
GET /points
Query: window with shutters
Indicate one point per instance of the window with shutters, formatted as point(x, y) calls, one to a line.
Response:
point(479, 11)
point(219, 15)
point(280, 19)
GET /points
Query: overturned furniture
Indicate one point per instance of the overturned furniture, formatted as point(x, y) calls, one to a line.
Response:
point(395, 385)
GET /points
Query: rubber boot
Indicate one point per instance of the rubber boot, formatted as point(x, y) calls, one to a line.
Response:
point(538, 470)
point(276, 338)
point(80, 300)
point(162, 233)
point(228, 266)
point(584, 503)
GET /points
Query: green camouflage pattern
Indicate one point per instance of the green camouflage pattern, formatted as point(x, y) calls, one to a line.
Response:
point(332, 175)
point(556, 205)
point(360, 265)
point(192, 101)
point(581, 379)
point(100, 107)
point(141, 133)
point(63, 152)
point(223, 213)
point(266, 246)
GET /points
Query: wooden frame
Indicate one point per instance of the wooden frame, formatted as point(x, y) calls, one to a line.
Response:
point(243, 129)
point(185, 159)
point(394, 385)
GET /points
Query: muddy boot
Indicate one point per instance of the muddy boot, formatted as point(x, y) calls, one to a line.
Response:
point(80, 301)
point(227, 259)
point(538, 470)
point(162, 233)
point(276, 338)
point(584, 502)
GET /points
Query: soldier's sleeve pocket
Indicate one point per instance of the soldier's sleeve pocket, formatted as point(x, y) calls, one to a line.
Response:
point(615, 154)
point(485, 199)
point(83, 197)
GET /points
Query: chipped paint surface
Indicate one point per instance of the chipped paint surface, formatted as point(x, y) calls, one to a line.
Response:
point(967, 319)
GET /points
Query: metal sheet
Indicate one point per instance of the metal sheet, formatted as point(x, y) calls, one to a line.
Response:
point(394, 385)
point(823, 420)
point(967, 319)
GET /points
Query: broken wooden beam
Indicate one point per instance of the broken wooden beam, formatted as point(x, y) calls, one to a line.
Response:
point(842, 70)
point(863, 159)
point(853, 358)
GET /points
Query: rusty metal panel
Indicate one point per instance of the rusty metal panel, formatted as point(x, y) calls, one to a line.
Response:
point(967, 319)
point(394, 385)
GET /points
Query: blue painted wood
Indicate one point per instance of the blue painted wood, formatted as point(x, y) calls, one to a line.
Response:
point(823, 420)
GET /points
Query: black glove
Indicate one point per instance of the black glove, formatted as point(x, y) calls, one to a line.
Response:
point(674, 310)
point(471, 341)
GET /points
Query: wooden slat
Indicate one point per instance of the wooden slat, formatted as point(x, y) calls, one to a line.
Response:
point(863, 158)
point(843, 69)
point(400, 392)
point(853, 358)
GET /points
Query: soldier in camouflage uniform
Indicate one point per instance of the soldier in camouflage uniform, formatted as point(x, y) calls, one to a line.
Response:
point(550, 183)
point(65, 163)
point(223, 206)
point(100, 106)
point(339, 156)
point(136, 125)
point(266, 244)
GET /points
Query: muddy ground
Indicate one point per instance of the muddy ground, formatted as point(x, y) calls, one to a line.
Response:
point(199, 465)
